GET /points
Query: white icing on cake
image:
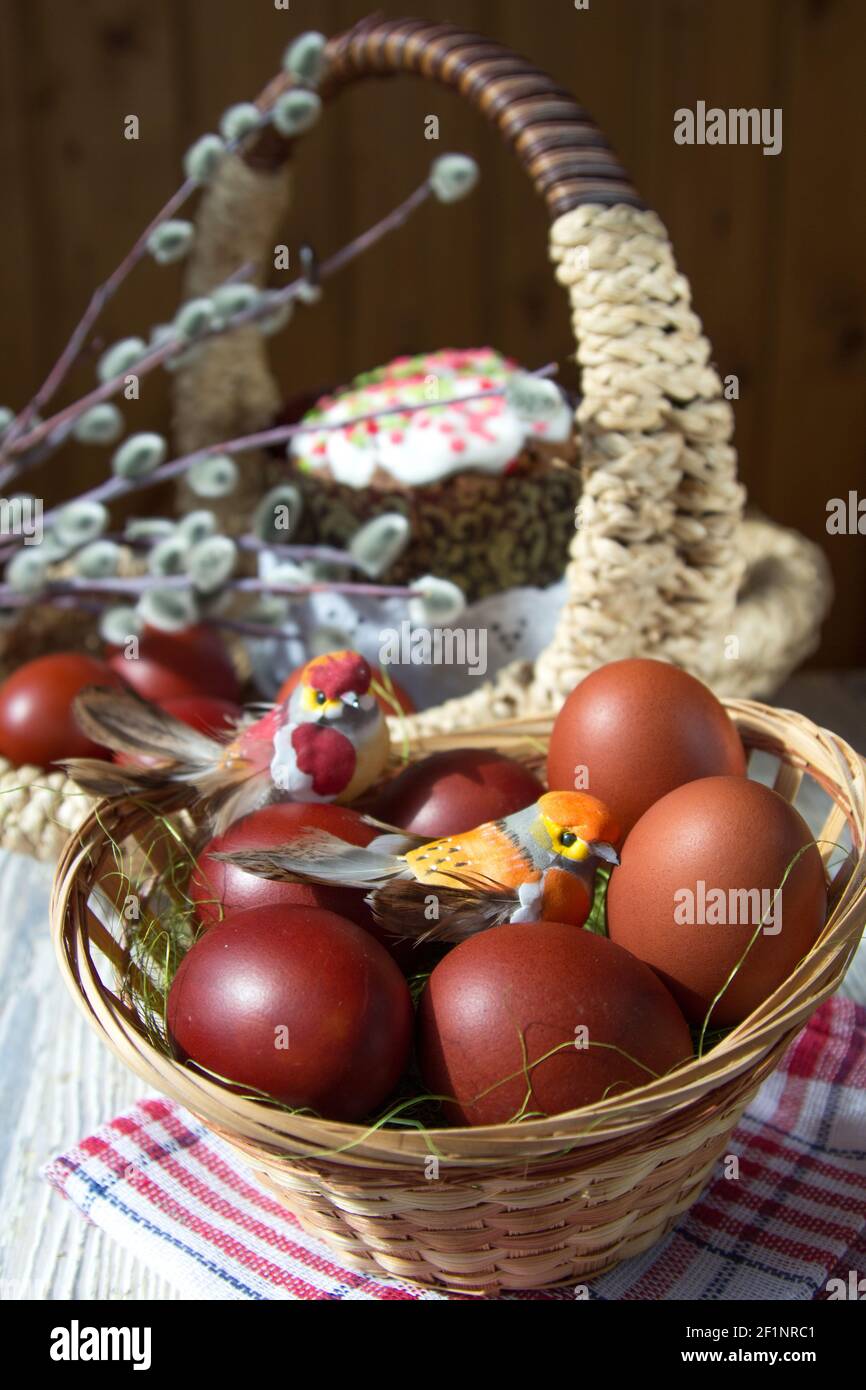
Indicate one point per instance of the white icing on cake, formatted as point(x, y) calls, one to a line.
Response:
point(421, 446)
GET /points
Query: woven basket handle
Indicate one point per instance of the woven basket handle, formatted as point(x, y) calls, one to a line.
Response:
point(658, 557)
point(562, 150)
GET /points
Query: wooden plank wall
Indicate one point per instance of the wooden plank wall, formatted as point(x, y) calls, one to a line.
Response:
point(773, 246)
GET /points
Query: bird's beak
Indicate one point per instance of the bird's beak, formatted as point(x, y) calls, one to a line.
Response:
point(602, 850)
point(350, 698)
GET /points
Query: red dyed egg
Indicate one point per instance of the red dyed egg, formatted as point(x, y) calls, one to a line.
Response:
point(634, 730)
point(298, 1003)
point(502, 1014)
point(220, 890)
point(37, 724)
point(448, 793)
point(167, 665)
point(698, 877)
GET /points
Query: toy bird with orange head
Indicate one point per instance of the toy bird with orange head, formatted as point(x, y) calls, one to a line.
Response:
point(327, 742)
point(536, 865)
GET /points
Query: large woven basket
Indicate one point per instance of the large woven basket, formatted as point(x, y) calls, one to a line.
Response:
point(526, 1205)
point(663, 562)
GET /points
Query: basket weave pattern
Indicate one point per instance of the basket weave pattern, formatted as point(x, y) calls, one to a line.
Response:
point(511, 1206)
point(655, 564)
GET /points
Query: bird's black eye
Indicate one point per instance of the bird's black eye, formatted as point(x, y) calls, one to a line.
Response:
point(321, 697)
point(567, 838)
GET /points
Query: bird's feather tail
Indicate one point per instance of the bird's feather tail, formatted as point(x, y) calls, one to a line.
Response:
point(228, 798)
point(315, 856)
point(127, 724)
point(413, 840)
point(426, 912)
point(104, 779)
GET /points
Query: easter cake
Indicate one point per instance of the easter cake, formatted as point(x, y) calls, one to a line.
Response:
point(487, 479)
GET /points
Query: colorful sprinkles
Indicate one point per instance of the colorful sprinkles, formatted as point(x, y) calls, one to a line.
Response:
point(416, 447)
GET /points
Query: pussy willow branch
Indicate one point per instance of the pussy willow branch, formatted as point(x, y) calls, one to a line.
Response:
point(107, 290)
point(157, 356)
point(249, 628)
point(111, 488)
point(327, 553)
point(139, 584)
point(13, 469)
point(100, 297)
point(96, 606)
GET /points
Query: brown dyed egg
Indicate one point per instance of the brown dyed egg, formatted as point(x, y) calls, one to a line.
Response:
point(219, 889)
point(499, 1021)
point(634, 730)
point(697, 876)
point(298, 1003)
point(448, 793)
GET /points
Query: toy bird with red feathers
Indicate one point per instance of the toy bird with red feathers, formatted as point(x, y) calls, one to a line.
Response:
point(327, 742)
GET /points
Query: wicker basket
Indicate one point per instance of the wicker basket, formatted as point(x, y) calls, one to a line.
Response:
point(525, 1205)
point(663, 561)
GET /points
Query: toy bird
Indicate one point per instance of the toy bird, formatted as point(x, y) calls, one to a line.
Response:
point(536, 865)
point(327, 742)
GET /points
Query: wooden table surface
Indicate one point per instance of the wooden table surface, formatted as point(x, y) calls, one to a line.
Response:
point(58, 1082)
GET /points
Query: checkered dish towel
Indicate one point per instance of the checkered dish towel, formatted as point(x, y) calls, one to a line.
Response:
point(162, 1185)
